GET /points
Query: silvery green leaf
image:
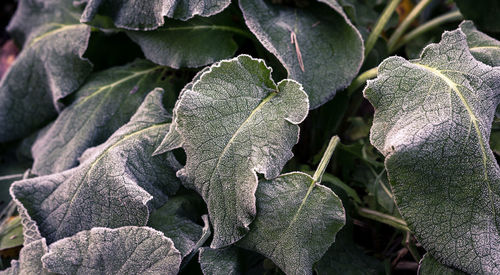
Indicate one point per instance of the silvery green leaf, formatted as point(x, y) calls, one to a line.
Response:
point(115, 184)
point(49, 67)
point(296, 222)
point(193, 43)
point(484, 13)
point(432, 122)
point(318, 45)
point(146, 15)
point(125, 250)
point(29, 260)
point(483, 47)
point(235, 122)
point(220, 261)
point(429, 266)
point(106, 102)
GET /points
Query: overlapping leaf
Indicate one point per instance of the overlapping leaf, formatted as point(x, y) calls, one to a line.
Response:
point(318, 45)
point(49, 67)
point(235, 121)
point(125, 250)
point(220, 261)
point(483, 47)
point(432, 121)
point(429, 266)
point(296, 222)
point(115, 184)
point(105, 102)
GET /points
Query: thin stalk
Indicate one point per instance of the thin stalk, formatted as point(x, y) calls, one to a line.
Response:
point(411, 247)
point(334, 141)
point(383, 218)
point(406, 23)
point(11, 177)
point(430, 25)
point(379, 26)
point(361, 79)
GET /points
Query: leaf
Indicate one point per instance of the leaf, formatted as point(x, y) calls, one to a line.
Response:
point(234, 122)
point(105, 102)
point(29, 260)
point(484, 13)
point(484, 48)
point(429, 266)
point(115, 184)
point(296, 222)
point(194, 43)
point(12, 234)
point(49, 67)
point(140, 15)
point(326, 50)
point(220, 261)
point(432, 122)
point(130, 250)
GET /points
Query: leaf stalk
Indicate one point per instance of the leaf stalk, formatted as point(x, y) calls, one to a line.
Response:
point(334, 141)
point(361, 79)
point(383, 218)
point(379, 26)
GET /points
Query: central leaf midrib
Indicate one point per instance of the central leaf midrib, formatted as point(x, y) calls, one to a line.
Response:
point(62, 27)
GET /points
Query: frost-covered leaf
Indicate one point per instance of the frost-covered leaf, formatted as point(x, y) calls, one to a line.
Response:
point(234, 122)
point(433, 119)
point(113, 186)
point(194, 43)
point(49, 67)
point(318, 45)
point(220, 261)
point(125, 250)
point(296, 222)
point(146, 15)
point(105, 102)
point(483, 47)
point(429, 266)
point(484, 13)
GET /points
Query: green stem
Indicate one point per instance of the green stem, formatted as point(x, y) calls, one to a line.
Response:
point(379, 26)
point(383, 218)
point(11, 177)
point(438, 21)
point(334, 141)
point(406, 23)
point(360, 80)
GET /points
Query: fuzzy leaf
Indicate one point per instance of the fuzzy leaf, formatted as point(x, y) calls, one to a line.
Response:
point(484, 48)
point(114, 184)
point(140, 15)
point(324, 40)
point(194, 43)
point(49, 67)
point(125, 250)
point(234, 122)
point(296, 222)
point(105, 102)
point(429, 266)
point(432, 121)
point(219, 261)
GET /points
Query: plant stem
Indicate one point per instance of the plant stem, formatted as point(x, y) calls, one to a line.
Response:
point(360, 80)
point(411, 247)
point(379, 26)
point(406, 23)
point(383, 218)
point(445, 18)
point(11, 177)
point(334, 141)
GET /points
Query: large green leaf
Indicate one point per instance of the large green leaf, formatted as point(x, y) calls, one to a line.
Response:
point(483, 47)
point(432, 121)
point(318, 45)
point(484, 13)
point(429, 266)
point(146, 15)
point(125, 250)
point(297, 220)
point(235, 121)
point(105, 102)
point(115, 184)
point(49, 67)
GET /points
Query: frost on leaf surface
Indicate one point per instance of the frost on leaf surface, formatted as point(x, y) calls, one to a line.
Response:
point(432, 121)
point(429, 266)
point(296, 222)
point(115, 185)
point(483, 47)
point(125, 250)
point(49, 67)
point(107, 101)
point(220, 261)
point(234, 122)
point(318, 45)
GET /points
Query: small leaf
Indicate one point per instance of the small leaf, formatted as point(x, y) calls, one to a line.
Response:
point(296, 222)
point(234, 122)
point(484, 48)
point(105, 102)
point(115, 184)
point(318, 45)
point(432, 122)
point(220, 261)
point(126, 250)
point(429, 266)
point(49, 67)
point(12, 234)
